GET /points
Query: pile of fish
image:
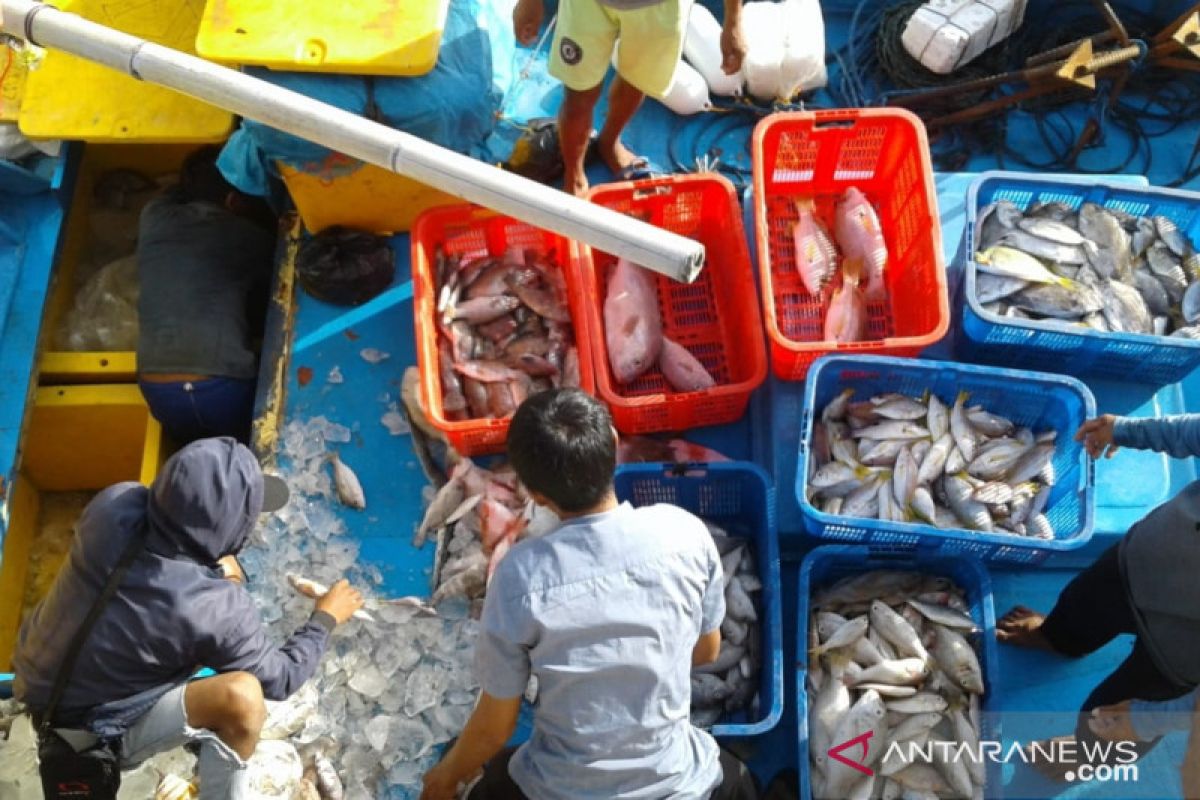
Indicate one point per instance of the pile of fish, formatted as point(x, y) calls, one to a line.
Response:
point(730, 683)
point(506, 332)
point(633, 333)
point(906, 459)
point(477, 516)
point(860, 250)
point(888, 655)
point(1100, 268)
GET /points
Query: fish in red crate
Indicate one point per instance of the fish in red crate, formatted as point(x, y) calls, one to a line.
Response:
point(860, 237)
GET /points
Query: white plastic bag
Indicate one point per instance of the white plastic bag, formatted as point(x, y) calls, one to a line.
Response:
point(762, 25)
point(104, 316)
point(702, 49)
point(688, 93)
point(802, 68)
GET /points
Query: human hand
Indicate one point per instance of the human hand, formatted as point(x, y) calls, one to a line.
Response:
point(1112, 723)
point(527, 20)
point(231, 569)
point(341, 601)
point(439, 783)
point(1097, 436)
point(733, 45)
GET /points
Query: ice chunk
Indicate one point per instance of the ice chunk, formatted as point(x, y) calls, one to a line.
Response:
point(286, 717)
point(377, 732)
point(395, 422)
point(373, 356)
point(19, 779)
point(369, 682)
point(275, 770)
point(426, 684)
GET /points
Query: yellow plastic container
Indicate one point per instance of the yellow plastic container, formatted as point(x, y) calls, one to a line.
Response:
point(369, 198)
point(77, 438)
point(82, 245)
point(12, 85)
point(70, 98)
point(368, 37)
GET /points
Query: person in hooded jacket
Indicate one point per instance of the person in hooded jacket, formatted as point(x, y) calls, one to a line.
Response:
point(181, 605)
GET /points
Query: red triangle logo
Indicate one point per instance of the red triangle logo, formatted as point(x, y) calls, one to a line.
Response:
point(835, 752)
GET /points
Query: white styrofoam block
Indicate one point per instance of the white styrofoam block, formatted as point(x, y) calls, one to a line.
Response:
point(947, 34)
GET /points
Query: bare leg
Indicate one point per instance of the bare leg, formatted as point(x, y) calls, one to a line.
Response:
point(229, 705)
point(574, 130)
point(1022, 626)
point(623, 103)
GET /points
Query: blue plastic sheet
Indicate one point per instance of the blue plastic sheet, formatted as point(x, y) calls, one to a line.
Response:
point(455, 105)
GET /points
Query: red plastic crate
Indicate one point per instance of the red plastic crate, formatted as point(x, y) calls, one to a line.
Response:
point(818, 155)
point(471, 231)
point(716, 317)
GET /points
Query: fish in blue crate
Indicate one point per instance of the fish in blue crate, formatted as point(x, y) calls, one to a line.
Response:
point(730, 684)
point(891, 664)
point(1100, 268)
point(953, 465)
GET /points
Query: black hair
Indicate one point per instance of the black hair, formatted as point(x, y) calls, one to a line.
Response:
point(561, 444)
point(199, 178)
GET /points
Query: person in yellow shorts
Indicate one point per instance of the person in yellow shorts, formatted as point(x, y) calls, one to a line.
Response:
point(648, 35)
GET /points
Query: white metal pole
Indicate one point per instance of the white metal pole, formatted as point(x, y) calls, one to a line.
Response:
point(675, 256)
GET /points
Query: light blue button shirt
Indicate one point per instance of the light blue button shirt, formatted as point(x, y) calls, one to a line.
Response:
point(606, 611)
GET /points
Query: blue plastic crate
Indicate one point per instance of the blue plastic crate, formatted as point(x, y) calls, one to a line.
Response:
point(827, 565)
point(739, 497)
point(1037, 400)
point(1034, 344)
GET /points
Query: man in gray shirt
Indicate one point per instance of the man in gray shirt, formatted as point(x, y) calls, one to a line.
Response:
point(610, 612)
point(204, 264)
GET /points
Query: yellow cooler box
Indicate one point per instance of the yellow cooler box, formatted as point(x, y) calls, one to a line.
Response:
point(78, 440)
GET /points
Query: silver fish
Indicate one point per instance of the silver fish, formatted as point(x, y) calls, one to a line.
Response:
point(956, 462)
point(888, 691)
point(728, 657)
point(1061, 302)
point(1143, 236)
point(734, 631)
point(923, 505)
point(863, 501)
point(1054, 209)
point(831, 705)
point(944, 615)
point(1124, 308)
point(900, 407)
point(867, 716)
point(893, 429)
point(1030, 464)
point(996, 459)
point(1152, 291)
point(1099, 225)
point(921, 778)
point(837, 406)
point(914, 725)
point(1010, 262)
point(904, 478)
point(895, 629)
point(846, 635)
point(835, 474)
point(879, 454)
point(989, 424)
point(1190, 306)
point(1171, 236)
point(993, 493)
point(349, 490)
point(708, 689)
point(964, 732)
point(972, 514)
point(1039, 527)
point(864, 653)
point(959, 660)
point(867, 586)
point(738, 603)
point(960, 427)
point(1040, 247)
point(1052, 230)
point(938, 418)
point(991, 288)
point(994, 221)
point(920, 703)
point(1187, 332)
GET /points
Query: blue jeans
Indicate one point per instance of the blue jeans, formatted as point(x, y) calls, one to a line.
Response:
point(191, 410)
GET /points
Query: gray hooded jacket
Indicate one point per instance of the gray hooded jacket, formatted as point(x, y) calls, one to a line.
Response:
point(174, 612)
